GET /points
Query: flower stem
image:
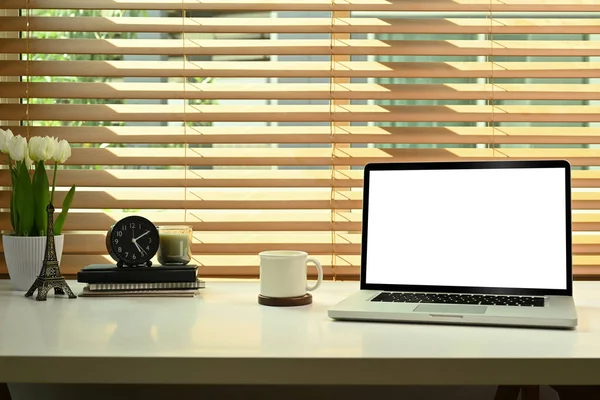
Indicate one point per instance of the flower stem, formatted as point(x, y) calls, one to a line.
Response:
point(53, 183)
point(11, 169)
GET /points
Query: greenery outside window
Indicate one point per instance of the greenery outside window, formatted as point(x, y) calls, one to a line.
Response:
point(251, 120)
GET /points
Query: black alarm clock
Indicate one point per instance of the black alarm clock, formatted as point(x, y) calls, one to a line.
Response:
point(132, 242)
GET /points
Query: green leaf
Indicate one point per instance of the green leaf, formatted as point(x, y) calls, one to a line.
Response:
point(23, 202)
point(62, 217)
point(13, 211)
point(41, 188)
point(13, 173)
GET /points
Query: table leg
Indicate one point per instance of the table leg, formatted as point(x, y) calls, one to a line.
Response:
point(512, 392)
point(530, 392)
point(505, 392)
point(4, 393)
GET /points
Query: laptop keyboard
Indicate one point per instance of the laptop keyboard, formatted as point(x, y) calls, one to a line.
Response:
point(448, 298)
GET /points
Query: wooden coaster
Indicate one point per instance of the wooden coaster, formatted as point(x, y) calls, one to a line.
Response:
point(285, 301)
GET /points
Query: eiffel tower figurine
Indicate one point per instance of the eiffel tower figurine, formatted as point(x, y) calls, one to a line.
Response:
point(50, 276)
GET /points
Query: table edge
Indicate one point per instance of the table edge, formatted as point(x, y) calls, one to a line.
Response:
point(302, 371)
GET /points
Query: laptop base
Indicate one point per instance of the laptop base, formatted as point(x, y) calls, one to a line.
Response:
point(559, 312)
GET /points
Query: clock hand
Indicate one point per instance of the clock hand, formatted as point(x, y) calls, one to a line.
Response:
point(142, 252)
point(143, 234)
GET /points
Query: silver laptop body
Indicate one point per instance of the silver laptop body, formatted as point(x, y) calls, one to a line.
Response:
point(466, 243)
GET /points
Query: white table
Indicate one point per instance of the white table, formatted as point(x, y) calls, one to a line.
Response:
point(224, 337)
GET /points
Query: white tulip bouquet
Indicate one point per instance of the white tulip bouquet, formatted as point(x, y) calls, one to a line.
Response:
point(32, 194)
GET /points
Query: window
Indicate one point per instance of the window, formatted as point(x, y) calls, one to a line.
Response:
point(251, 119)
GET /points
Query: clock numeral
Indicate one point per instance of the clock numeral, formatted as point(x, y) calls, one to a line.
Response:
point(119, 233)
point(149, 240)
point(116, 241)
point(119, 249)
point(123, 227)
point(148, 248)
point(126, 253)
point(132, 225)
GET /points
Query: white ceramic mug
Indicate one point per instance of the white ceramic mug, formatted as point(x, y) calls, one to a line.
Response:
point(283, 273)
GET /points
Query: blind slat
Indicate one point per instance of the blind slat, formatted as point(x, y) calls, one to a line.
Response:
point(295, 113)
point(253, 243)
point(175, 47)
point(240, 199)
point(216, 243)
point(315, 5)
point(303, 25)
point(260, 220)
point(221, 220)
point(203, 178)
point(314, 156)
point(304, 69)
point(207, 200)
point(237, 178)
point(316, 135)
point(208, 265)
point(298, 91)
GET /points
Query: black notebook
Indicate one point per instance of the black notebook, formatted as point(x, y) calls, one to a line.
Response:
point(110, 273)
point(109, 287)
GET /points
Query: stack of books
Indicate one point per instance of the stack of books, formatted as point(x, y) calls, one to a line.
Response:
point(157, 281)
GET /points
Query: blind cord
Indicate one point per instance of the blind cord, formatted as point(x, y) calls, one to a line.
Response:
point(185, 100)
point(27, 74)
point(492, 80)
point(332, 137)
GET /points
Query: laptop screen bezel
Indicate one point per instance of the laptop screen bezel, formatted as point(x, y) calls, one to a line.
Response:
point(468, 165)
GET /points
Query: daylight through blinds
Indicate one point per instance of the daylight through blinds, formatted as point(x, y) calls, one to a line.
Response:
point(251, 120)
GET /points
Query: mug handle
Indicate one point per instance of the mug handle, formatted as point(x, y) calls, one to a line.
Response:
point(319, 275)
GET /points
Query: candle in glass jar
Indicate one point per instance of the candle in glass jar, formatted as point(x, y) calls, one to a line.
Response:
point(175, 246)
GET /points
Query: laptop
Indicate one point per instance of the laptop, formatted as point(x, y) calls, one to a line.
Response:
point(484, 242)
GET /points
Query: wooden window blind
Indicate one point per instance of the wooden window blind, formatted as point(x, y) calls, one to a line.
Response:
point(251, 120)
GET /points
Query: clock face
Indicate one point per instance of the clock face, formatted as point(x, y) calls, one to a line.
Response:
point(132, 241)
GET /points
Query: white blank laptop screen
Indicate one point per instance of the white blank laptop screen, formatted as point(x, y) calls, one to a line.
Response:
point(467, 227)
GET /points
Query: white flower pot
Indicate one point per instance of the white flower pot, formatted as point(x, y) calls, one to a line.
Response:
point(24, 256)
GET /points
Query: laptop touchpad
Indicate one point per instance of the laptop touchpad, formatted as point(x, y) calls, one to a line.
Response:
point(450, 309)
